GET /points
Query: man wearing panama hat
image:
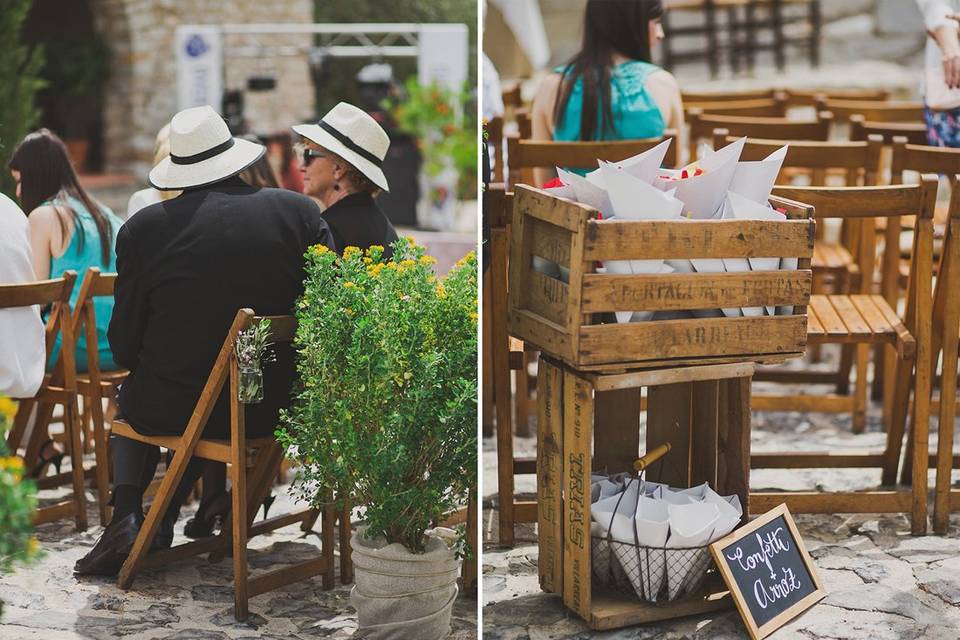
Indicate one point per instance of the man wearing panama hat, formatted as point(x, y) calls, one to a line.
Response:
point(341, 167)
point(185, 266)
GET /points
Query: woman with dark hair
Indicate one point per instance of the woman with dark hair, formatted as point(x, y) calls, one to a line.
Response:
point(260, 173)
point(68, 228)
point(610, 90)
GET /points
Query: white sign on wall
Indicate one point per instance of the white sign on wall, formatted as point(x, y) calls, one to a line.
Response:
point(199, 57)
point(442, 55)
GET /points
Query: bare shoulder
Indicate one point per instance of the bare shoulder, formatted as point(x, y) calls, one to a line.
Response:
point(547, 91)
point(44, 218)
point(663, 80)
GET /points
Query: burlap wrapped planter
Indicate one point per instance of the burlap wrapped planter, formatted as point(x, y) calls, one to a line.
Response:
point(397, 593)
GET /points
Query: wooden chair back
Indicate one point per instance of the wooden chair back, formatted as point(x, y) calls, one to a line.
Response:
point(809, 97)
point(861, 129)
point(524, 123)
point(702, 126)
point(923, 159)
point(511, 94)
point(493, 130)
point(57, 389)
point(694, 98)
point(891, 203)
point(526, 155)
point(872, 111)
point(945, 343)
point(765, 108)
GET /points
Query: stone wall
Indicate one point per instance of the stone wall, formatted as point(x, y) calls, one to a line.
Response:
point(140, 96)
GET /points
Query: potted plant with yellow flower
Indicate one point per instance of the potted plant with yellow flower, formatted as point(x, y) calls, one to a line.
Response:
point(387, 415)
point(17, 502)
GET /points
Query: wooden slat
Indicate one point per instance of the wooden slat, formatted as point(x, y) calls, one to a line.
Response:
point(523, 466)
point(874, 317)
point(815, 460)
point(606, 382)
point(539, 332)
point(825, 403)
point(615, 610)
point(831, 322)
point(547, 297)
point(838, 202)
point(536, 203)
point(694, 290)
point(549, 241)
point(903, 334)
point(577, 432)
point(26, 295)
point(284, 576)
point(686, 338)
point(814, 326)
point(661, 239)
point(849, 502)
point(851, 317)
point(525, 511)
point(578, 155)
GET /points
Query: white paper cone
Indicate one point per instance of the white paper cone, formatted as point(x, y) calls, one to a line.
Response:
point(691, 525)
point(653, 526)
point(586, 192)
point(754, 180)
point(643, 166)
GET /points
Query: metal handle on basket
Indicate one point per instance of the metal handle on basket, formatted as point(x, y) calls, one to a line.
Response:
point(651, 457)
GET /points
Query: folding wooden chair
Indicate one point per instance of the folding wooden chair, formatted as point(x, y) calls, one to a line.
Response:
point(861, 129)
point(872, 110)
point(506, 354)
point(945, 343)
point(95, 385)
point(254, 463)
point(694, 98)
point(864, 320)
point(60, 388)
point(526, 155)
point(775, 107)
point(809, 97)
point(703, 125)
point(833, 262)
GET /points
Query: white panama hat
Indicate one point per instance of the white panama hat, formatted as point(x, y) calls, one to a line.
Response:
point(202, 152)
point(352, 134)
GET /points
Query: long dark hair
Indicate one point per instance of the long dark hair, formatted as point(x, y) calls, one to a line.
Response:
point(260, 173)
point(609, 27)
point(46, 173)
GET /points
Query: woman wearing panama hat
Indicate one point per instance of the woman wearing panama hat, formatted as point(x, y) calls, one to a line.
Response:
point(341, 167)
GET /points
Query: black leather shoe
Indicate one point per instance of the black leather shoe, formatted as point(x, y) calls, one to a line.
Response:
point(107, 556)
point(163, 539)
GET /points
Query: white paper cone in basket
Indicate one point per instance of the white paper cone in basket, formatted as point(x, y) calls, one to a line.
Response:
point(738, 207)
point(754, 180)
point(653, 526)
point(729, 515)
point(643, 166)
point(691, 525)
point(587, 192)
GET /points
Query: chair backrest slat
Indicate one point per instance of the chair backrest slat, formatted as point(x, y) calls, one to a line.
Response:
point(42, 293)
point(903, 111)
point(923, 159)
point(852, 156)
point(861, 129)
point(526, 155)
point(808, 97)
point(693, 98)
point(703, 126)
point(769, 108)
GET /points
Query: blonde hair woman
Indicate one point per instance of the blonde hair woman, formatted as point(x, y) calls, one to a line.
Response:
point(144, 197)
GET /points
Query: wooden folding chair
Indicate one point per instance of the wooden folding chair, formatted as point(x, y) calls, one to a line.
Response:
point(254, 463)
point(775, 107)
point(872, 110)
point(866, 319)
point(694, 98)
point(526, 155)
point(506, 354)
point(60, 388)
point(833, 262)
point(809, 97)
point(945, 343)
point(96, 385)
point(703, 125)
point(861, 129)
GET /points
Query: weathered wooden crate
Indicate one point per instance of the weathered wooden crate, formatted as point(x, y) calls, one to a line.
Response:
point(565, 319)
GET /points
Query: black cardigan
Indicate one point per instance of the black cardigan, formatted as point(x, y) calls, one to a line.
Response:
point(357, 221)
point(185, 266)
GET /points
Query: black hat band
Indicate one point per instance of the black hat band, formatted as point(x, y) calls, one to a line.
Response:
point(350, 144)
point(203, 155)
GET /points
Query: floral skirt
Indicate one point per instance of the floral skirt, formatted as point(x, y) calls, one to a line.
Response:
point(943, 127)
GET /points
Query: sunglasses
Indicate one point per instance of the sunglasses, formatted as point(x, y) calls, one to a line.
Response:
point(309, 155)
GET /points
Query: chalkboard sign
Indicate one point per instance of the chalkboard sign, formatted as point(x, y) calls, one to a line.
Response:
point(769, 572)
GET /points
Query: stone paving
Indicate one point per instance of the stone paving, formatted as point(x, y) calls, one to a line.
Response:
point(882, 582)
point(188, 600)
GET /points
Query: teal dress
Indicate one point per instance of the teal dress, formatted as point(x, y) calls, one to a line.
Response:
point(635, 113)
point(80, 259)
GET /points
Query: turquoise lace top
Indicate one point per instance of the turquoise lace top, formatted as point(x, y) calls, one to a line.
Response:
point(80, 259)
point(635, 113)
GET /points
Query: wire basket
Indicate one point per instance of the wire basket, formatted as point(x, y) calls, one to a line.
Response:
point(652, 574)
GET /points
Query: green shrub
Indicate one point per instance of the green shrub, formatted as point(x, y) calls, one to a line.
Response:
point(387, 412)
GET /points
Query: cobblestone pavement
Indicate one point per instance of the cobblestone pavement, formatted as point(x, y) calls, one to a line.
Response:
point(882, 582)
point(188, 600)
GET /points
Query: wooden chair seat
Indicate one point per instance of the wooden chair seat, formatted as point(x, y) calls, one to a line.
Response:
point(209, 449)
point(857, 319)
point(829, 256)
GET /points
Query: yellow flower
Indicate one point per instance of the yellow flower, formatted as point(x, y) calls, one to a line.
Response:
point(32, 546)
point(319, 249)
point(8, 408)
point(474, 316)
point(350, 252)
point(373, 248)
point(392, 266)
point(375, 269)
point(428, 260)
point(441, 292)
point(367, 260)
point(406, 264)
point(349, 285)
point(411, 240)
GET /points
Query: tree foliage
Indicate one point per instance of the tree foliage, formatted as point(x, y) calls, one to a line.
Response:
point(20, 67)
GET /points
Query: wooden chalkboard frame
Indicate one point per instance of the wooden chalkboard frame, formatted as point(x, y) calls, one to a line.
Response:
point(717, 549)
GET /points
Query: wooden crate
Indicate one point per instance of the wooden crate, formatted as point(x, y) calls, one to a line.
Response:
point(564, 318)
point(589, 422)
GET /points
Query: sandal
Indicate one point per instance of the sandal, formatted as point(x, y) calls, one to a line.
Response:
point(56, 460)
